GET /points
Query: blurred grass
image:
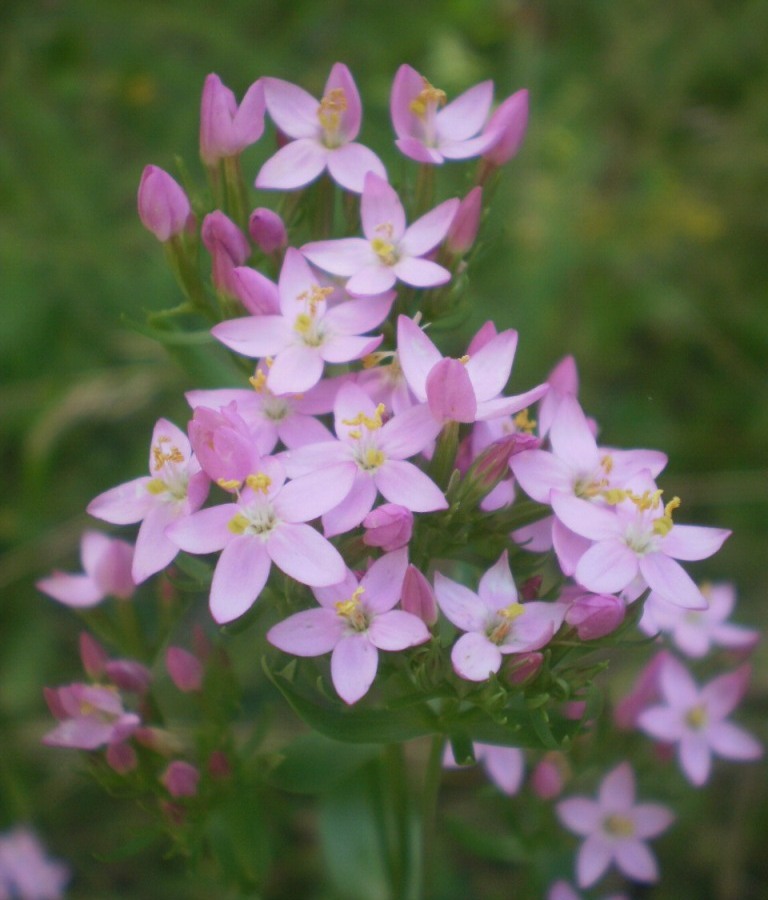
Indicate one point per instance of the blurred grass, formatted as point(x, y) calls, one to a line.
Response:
point(630, 232)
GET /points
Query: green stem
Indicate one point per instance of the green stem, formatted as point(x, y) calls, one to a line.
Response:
point(237, 198)
point(429, 797)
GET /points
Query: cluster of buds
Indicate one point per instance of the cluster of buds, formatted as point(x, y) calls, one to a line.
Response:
point(446, 542)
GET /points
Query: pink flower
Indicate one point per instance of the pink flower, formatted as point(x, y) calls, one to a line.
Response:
point(185, 669)
point(505, 765)
point(107, 563)
point(90, 716)
point(265, 525)
point(323, 135)
point(595, 615)
point(267, 230)
point(226, 129)
point(695, 632)
point(561, 890)
point(495, 622)
point(465, 390)
point(228, 247)
point(180, 779)
point(174, 488)
point(308, 333)
point(355, 621)
point(26, 872)
point(615, 828)
point(695, 719)
point(507, 125)
point(431, 134)
point(390, 251)
point(163, 206)
point(371, 454)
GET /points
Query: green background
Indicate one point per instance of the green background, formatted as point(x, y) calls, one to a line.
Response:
point(630, 232)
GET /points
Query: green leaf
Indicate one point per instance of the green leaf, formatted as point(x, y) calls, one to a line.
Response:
point(314, 764)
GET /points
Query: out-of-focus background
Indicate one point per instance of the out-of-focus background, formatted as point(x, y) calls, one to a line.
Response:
point(630, 232)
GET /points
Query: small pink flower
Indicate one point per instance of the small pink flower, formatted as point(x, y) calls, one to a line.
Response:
point(226, 129)
point(507, 125)
point(107, 564)
point(180, 779)
point(466, 223)
point(163, 206)
point(355, 621)
point(390, 251)
point(595, 615)
point(615, 828)
point(695, 719)
point(90, 716)
point(228, 247)
point(185, 669)
point(26, 872)
point(322, 135)
point(267, 230)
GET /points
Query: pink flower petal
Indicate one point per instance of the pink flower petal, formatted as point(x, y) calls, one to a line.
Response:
point(692, 542)
point(695, 758)
point(450, 394)
point(305, 555)
point(489, 367)
point(254, 336)
point(474, 657)
point(375, 278)
point(401, 482)
point(344, 256)
point(350, 163)
point(636, 860)
point(572, 438)
point(651, 819)
point(417, 355)
point(125, 504)
point(295, 369)
point(293, 166)
point(308, 633)
point(344, 348)
point(732, 742)
point(353, 509)
point(406, 86)
point(154, 551)
point(241, 573)
point(460, 605)
point(606, 567)
point(581, 815)
point(381, 211)
point(291, 108)
point(313, 494)
point(205, 531)
point(415, 149)
point(341, 78)
point(426, 232)
point(593, 859)
point(669, 579)
point(353, 667)
point(79, 591)
point(397, 630)
point(408, 433)
point(466, 114)
point(383, 582)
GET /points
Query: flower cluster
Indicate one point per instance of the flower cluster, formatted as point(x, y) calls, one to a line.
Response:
point(456, 549)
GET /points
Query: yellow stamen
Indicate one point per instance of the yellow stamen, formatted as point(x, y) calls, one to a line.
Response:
point(229, 484)
point(384, 250)
point(333, 104)
point(258, 380)
point(156, 486)
point(302, 323)
point(373, 458)
point(697, 717)
point(507, 615)
point(371, 424)
point(619, 826)
point(607, 463)
point(352, 610)
point(428, 95)
point(524, 423)
point(464, 359)
point(664, 524)
point(259, 482)
point(314, 297)
point(160, 457)
point(238, 524)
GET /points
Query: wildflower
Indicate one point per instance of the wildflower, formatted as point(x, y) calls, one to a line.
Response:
point(107, 562)
point(322, 135)
point(695, 719)
point(355, 621)
point(174, 488)
point(226, 129)
point(390, 251)
point(26, 872)
point(507, 124)
point(615, 828)
point(180, 779)
point(228, 247)
point(267, 230)
point(163, 206)
point(495, 622)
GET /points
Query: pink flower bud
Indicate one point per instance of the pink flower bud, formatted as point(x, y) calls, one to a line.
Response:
point(185, 669)
point(219, 765)
point(180, 779)
point(121, 757)
point(525, 666)
point(510, 120)
point(267, 230)
point(595, 615)
point(464, 227)
point(128, 675)
point(389, 526)
point(163, 206)
point(418, 597)
point(255, 291)
point(225, 128)
point(92, 655)
point(228, 247)
point(548, 777)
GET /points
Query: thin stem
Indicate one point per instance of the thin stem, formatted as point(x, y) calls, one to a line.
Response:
point(429, 799)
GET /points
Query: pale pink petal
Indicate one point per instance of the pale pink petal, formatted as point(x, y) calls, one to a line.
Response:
point(309, 458)
point(256, 292)
point(254, 336)
point(308, 633)
point(295, 369)
point(585, 518)
point(125, 504)
point(305, 555)
point(415, 149)
point(292, 166)
point(357, 316)
point(466, 114)
point(636, 860)
point(506, 766)
point(240, 575)
point(341, 78)
point(353, 667)
point(381, 211)
point(695, 758)
point(450, 393)
point(539, 472)
point(607, 567)
point(72, 590)
point(471, 147)
point(291, 108)
point(663, 723)
point(677, 685)
point(248, 121)
point(490, 366)
point(154, 551)
point(383, 582)
point(205, 531)
point(375, 278)
point(350, 163)
point(691, 542)
point(417, 355)
point(650, 819)
point(426, 232)
point(572, 438)
point(581, 815)
point(569, 547)
point(460, 605)
point(594, 857)
point(408, 432)
point(507, 406)
point(669, 579)
point(313, 494)
point(474, 657)
point(344, 256)
point(94, 547)
point(344, 348)
point(329, 596)
point(299, 430)
point(353, 509)
point(732, 742)
point(497, 587)
point(396, 630)
point(406, 86)
point(723, 694)
point(401, 482)
point(296, 280)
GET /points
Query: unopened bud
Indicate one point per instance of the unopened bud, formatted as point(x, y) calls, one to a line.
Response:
point(92, 655)
point(464, 227)
point(595, 615)
point(389, 526)
point(418, 597)
point(525, 666)
point(267, 230)
point(121, 757)
point(548, 777)
point(185, 669)
point(510, 120)
point(180, 779)
point(163, 206)
point(128, 675)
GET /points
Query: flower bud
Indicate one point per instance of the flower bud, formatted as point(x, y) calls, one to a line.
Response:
point(180, 779)
point(163, 206)
point(267, 230)
point(185, 669)
point(595, 615)
point(219, 765)
point(128, 675)
point(418, 597)
point(121, 757)
point(525, 666)
point(548, 777)
point(464, 227)
point(389, 526)
point(92, 655)
point(225, 128)
point(510, 120)
point(228, 247)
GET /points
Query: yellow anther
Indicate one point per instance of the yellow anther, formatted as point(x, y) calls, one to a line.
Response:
point(384, 250)
point(160, 456)
point(258, 380)
point(229, 484)
point(697, 717)
point(524, 423)
point(664, 524)
point(352, 609)
point(156, 486)
point(333, 104)
point(371, 424)
point(512, 612)
point(238, 524)
point(356, 434)
point(607, 463)
point(373, 458)
point(614, 496)
point(646, 500)
point(619, 826)
point(259, 482)
point(302, 323)
point(429, 95)
point(385, 229)
point(314, 297)
point(372, 359)
point(464, 359)
point(269, 361)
